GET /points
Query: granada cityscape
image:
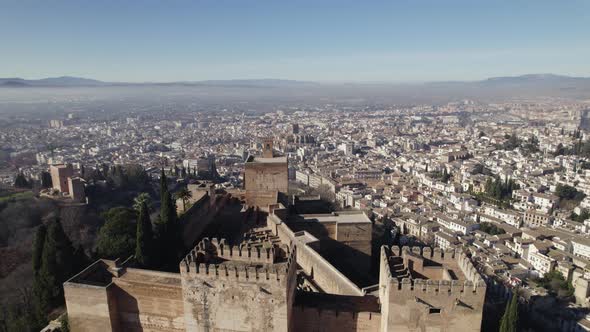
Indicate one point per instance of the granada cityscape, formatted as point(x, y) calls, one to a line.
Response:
point(433, 186)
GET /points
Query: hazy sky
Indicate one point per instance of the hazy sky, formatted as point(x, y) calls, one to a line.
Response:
point(396, 40)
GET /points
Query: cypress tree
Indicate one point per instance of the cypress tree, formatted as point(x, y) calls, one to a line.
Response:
point(46, 181)
point(21, 181)
point(163, 184)
point(168, 230)
point(38, 247)
point(509, 322)
point(56, 266)
point(80, 259)
point(37, 308)
point(144, 241)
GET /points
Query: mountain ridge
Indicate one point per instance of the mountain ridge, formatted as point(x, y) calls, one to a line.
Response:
point(72, 81)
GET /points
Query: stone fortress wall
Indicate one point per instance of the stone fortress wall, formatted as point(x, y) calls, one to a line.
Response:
point(326, 276)
point(243, 295)
point(319, 319)
point(454, 302)
point(253, 286)
point(107, 296)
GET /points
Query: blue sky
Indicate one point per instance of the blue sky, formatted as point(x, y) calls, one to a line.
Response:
point(321, 40)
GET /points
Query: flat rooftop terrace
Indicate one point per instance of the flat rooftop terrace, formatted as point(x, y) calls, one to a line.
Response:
point(261, 160)
point(353, 217)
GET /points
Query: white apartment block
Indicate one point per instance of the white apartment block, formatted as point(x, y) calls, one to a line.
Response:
point(581, 248)
point(456, 225)
point(541, 262)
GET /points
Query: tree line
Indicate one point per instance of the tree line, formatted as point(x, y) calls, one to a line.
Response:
point(130, 231)
point(126, 232)
point(54, 260)
point(500, 190)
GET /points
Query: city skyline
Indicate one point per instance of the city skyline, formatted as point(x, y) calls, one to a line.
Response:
point(331, 42)
point(218, 165)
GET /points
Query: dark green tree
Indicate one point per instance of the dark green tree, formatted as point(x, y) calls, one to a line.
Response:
point(46, 181)
point(38, 247)
point(56, 266)
point(445, 176)
point(21, 316)
point(80, 259)
point(569, 192)
point(509, 322)
point(21, 181)
point(116, 238)
point(168, 231)
point(144, 242)
point(118, 177)
point(37, 307)
point(163, 183)
point(136, 176)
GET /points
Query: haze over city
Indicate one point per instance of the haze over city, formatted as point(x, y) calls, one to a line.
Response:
point(294, 166)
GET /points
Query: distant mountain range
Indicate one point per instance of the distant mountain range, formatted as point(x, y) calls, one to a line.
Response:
point(536, 78)
point(52, 81)
point(491, 89)
point(69, 81)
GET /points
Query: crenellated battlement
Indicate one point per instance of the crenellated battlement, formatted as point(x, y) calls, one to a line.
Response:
point(236, 272)
point(469, 269)
point(200, 262)
point(437, 254)
point(247, 254)
point(394, 270)
point(438, 287)
point(265, 252)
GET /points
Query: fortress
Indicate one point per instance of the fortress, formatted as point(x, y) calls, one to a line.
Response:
point(281, 272)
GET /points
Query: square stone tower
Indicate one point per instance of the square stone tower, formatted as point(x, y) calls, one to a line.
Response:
point(59, 176)
point(424, 289)
point(237, 288)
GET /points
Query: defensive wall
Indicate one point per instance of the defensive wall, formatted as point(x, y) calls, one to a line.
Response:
point(108, 296)
point(324, 274)
point(330, 312)
point(244, 295)
point(452, 303)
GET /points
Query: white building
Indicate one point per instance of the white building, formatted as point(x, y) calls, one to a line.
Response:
point(581, 247)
